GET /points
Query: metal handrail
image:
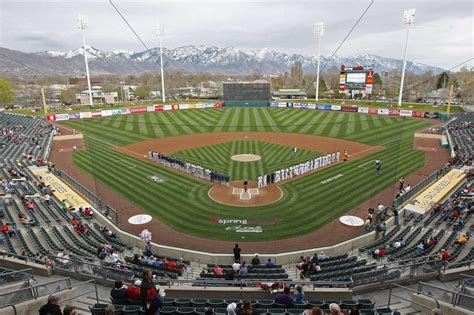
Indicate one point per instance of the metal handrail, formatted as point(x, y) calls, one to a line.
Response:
point(455, 297)
point(10, 305)
point(28, 270)
point(412, 290)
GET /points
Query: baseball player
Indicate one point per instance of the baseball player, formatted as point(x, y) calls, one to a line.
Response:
point(378, 166)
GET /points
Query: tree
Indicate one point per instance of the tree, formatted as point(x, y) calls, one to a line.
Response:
point(142, 92)
point(322, 86)
point(443, 80)
point(7, 95)
point(296, 74)
point(68, 96)
point(377, 79)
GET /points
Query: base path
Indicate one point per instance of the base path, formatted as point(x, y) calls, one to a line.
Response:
point(225, 195)
point(329, 234)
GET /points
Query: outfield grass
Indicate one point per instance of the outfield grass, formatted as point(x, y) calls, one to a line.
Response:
point(218, 157)
point(182, 202)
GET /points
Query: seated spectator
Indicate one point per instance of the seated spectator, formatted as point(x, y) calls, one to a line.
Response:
point(70, 310)
point(322, 256)
point(444, 255)
point(133, 291)
point(218, 271)
point(52, 307)
point(461, 240)
point(247, 309)
point(334, 309)
point(231, 309)
point(88, 212)
point(114, 257)
point(284, 298)
point(298, 297)
point(244, 269)
point(255, 261)
point(74, 222)
point(313, 311)
point(230, 274)
point(120, 291)
point(236, 267)
point(269, 263)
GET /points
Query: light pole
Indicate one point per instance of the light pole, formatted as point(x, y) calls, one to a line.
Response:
point(160, 32)
point(83, 23)
point(318, 31)
point(408, 18)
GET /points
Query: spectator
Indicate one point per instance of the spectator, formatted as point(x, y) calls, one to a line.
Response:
point(247, 309)
point(119, 292)
point(74, 222)
point(314, 311)
point(237, 251)
point(284, 298)
point(355, 311)
point(109, 310)
point(269, 263)
point(322, 256)
point(255, 261)
point(334, 309)
point(231, 309)
point(147, 252)
point(69, 310)
point(436, 311)
point(133, 291)
point(244, 269)
point(444, 255)
point(395, 216)
point(52, 307)
point(146, 285)
point(461, 240)
point(298, 297)
point(236, 266)
point(218, 270)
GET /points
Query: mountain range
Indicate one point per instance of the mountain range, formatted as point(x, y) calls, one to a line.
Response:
point(228, 60)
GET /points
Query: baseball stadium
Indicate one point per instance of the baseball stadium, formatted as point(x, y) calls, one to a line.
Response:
point(255, 197)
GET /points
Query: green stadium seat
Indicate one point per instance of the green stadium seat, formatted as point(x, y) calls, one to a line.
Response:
point(220, 310)
point(366, 304)
point(183, 302)
point(169, 302)
point(316, 303)
point(132, 310)
point(265, 304)
point(348, 304)
point(168, 310)
point(294, 311)
point(276, 311)
point(199, 302)
point(216, 303)
point(185, 310)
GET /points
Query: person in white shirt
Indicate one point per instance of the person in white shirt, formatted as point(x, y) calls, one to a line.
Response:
point(236, 267)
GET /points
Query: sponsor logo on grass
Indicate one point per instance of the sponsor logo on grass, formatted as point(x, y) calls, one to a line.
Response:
point(245, 229)
point(158, 179)
point(243, 221)
point(330, 179)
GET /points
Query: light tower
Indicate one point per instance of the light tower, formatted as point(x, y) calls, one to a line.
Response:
point(83, 23)
point(408, 19)
point(318, 31)
point(160, 32)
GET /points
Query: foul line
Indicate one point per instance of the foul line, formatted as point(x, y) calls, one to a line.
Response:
point(360, 165)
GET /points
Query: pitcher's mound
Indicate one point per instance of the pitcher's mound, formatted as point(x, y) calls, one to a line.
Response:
point(259, 196)
point(246, 157)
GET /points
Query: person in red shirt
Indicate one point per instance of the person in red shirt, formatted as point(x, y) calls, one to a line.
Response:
point(218, 271)
point(455, 214)
point(88, 212)
point(133, 291)
point(171, 264)
point(5, 228)
point(444, 255)
point(74, 222)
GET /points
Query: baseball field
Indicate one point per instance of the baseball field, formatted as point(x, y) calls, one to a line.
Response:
point(308, 202)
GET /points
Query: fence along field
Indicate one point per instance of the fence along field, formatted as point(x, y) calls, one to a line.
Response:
point(182, 202)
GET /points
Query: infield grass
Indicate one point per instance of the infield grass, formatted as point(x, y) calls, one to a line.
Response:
point(183, 203)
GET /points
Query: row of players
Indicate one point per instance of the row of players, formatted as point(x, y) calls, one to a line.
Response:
point(299, 169)
point(192, 169)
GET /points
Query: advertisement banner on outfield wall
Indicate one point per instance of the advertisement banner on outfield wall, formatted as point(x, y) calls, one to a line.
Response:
point(125, 111)
point(312, 106)
point(373, 111)
point(273, 104)
point(363, 110)
point(418, 114)
point(304, 105)
point(106, 113)
point(281, 104)
point(96, 114)
point(406, 113)
point(349, 108)
point(183, 106)
point(50, 117)
point(289, 105)
point(175, 107)
point(200, 105)
point(209, 105)
point(217, 105)
point(323, 107)
point(60, 117)
point(335, 107)
point(158, 108)
point(192, 106)
point(74, 116)
point(394, 112)
point(297, 105)
point(427, 115)
point(138, 110)
point(383, 111)
point(150, 108)
point(86, 115)
point(167, 107)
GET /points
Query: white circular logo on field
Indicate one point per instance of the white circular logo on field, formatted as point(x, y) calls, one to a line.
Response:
point(139, 219)
point(246, 157)
point(351, 220)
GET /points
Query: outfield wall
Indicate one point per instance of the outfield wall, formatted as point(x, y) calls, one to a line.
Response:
point(394, 112)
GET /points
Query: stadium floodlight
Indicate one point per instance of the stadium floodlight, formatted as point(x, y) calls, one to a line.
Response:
point(408, 19)
point(83, 24)
point(318, 31)
point(160, 32)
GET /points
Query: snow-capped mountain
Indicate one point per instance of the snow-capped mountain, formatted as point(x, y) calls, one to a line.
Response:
point(191, 58)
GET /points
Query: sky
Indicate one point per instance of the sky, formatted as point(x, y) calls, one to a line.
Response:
point(442, 35)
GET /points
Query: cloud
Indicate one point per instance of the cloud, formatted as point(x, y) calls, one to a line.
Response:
point(443, 32)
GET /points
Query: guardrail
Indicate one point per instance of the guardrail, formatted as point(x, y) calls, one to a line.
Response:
point(420, 186)
point(78, 187)
point(457, 298)
point(23, 271)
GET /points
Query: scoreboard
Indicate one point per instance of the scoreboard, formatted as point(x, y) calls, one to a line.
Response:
point(357, 81)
